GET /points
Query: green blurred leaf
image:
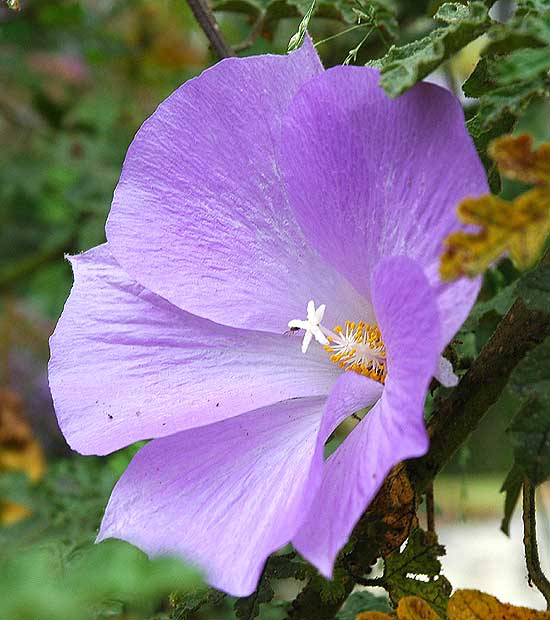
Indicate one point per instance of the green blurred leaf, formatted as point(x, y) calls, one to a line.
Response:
point(362, 601)
point(403, 66)
point(534, 288)
point(420, 558)
point(512, 486)
point(529, 431)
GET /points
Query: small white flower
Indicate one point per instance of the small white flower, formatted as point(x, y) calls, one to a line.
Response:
point(311, 326)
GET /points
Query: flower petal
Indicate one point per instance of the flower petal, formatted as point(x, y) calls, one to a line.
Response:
point(394, 429)
point(127, 365)
point(369, 177)
point(200, 215)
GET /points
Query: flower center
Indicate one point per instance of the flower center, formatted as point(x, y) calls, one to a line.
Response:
point(356, 347)
point(359, 347)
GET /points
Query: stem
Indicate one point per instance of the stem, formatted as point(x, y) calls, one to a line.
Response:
point(339, 34)
point(534, 571)
point(209, 25)
point(430, 508)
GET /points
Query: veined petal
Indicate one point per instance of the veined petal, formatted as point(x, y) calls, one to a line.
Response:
point(393, 430)
point(200, 215)
point(370, 177)
point(128, 365)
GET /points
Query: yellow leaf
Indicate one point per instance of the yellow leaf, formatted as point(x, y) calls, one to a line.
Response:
point(474, 605)
point(373, 615)
point(515, 158)
point(415, 608)
point(19, 451)
point(519, 228)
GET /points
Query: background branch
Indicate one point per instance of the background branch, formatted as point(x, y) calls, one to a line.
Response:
point(206, 20)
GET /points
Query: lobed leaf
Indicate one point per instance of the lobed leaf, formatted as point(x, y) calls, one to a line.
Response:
point(405, 65)
point(515, 157)
point(475, 605)
point(519, 228)
point(416, 571)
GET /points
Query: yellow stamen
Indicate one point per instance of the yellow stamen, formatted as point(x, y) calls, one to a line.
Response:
point(360, 348)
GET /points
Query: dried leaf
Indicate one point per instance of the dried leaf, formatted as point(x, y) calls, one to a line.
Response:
point(415, 608)
point(373, 615)
point(19, 451)
point(397, 510)
point(475, 605)
point(519, 227)
point(516, 159)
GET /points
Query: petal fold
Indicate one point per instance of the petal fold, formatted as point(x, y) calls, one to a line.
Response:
point(127, 365)
point(393, 429)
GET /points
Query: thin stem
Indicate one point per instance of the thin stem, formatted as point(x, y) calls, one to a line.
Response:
point(251, 38)
point(209, 25)
point(339, 34)
point(430, 508)
point(536, 576)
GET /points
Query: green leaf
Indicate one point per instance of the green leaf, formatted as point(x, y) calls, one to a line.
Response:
point(534, 288)
point(529, 431)
point(360, 602)
point(512, 486)
point(515, 66)
point(403, 66)
point(511, 100)
point(521, 64)
point(278, 567)
point(482, 139)
point(416, 571)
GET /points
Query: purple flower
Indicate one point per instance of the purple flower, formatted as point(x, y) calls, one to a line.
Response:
point(266, 196)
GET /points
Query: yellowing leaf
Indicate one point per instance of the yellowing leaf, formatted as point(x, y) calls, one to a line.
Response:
point(19, 451)
point(519, 228)
point(415, 608)
point(475, 605)
point(515, 158)
point(373, 615)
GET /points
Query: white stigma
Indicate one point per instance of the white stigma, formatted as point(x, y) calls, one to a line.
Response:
point(311, 326)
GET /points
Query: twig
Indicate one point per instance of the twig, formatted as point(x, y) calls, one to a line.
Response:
point(209, 25)
point(534, 571)
point(430, 509)
point(251, 38)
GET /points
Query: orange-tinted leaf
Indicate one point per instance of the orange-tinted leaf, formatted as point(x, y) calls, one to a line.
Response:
point(515, 158)
point(415, 608)
point(19, 450)
point(519, 228)
point(373, 615)
point(475, 605)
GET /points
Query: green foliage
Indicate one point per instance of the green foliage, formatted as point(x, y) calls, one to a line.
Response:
point(277, 567)
point(530, 428)
point(360, 602)
point(515, 65)
point(50, 567)
point(297, 40)
point(512, 488)
point(534, 288)
point(416, 571)
point(405, 65)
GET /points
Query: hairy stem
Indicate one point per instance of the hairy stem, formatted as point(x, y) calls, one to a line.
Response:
point(206, 20)
point(536, 576)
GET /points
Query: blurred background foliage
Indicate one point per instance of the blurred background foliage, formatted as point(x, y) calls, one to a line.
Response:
point(77, 78)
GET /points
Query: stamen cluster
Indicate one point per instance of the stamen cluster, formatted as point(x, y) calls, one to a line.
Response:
point(359, 347)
